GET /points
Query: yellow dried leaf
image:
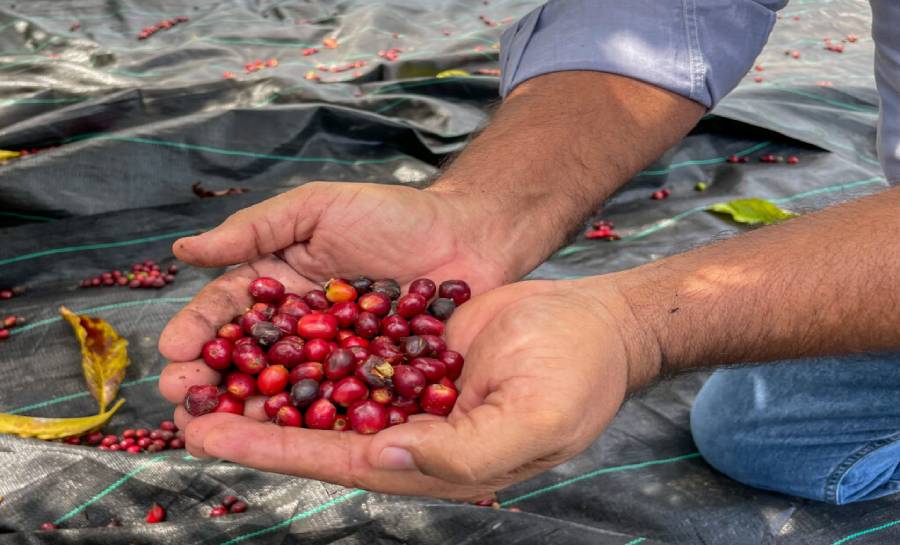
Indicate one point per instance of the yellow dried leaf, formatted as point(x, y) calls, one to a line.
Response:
point(452, 74)
point(54, 428)
point(104, 355)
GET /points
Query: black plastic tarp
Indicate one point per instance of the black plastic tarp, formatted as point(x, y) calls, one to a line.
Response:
point(123, 128)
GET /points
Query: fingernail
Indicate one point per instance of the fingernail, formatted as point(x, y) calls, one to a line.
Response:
point(396, 458)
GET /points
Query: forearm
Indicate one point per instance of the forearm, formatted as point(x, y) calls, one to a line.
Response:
point(826, 283)
point(558, 146)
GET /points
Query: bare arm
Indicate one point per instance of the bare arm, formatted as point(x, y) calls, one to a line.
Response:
point(549, 157)
point(827, 283)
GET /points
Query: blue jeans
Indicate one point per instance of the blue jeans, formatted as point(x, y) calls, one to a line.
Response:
point(827, 429)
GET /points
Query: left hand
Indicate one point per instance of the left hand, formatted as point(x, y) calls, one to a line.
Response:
point(547, 367)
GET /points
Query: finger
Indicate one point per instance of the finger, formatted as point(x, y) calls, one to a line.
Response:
point(181, 417)
point(496, 438)
point(261, 229)
point(218, 303)
point(253, 409)
point(335, 457)
point(176, 378)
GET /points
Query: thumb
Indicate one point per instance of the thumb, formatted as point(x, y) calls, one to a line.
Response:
point(258, 230)
point(488, 442)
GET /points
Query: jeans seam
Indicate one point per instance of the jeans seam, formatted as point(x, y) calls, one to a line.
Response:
point(834, 480)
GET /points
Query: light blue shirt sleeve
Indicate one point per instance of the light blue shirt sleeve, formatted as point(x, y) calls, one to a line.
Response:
point(699, 49)
point(886, 32)
point(696, 48)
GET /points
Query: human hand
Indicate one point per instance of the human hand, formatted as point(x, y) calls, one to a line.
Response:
point(547, 367)
point(322, 230)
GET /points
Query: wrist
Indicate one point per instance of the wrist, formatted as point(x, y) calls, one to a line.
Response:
point(507, 228)
point(609, 297)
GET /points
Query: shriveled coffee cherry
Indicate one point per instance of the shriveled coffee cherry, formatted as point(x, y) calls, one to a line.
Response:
point(361, 285)
point(316, 350)
point(348, 391)
point(424, 324)
point(288, 416)
point(388, 351)
point(377, 303)
point(453, 361)
point(249, 359)
point(217, 353)
point(267, 290)
point(375, 371)
point(316, 299)
point(396, 416)
point(455, 289)
point(434, 369)
point(408, 381)
point(338, 290)
point(286, 352)
point(266, 333)
point(415, 347)
point(320, 415)
point(156, 514)
point(317, 326)
point(310, 369)
point(240, 385)
point(383, 395)
point(346, 313)
point(424, 287)
point(367, 325)
point(229, 404)
point(286, 323)
point(326, 388)
point(367, 417)
point(411, 304)
point(293, 305)
point(438, 399)
point(395, 326)
point(341, 423)
point(249, 319)
point(304, 392)
point(201, 399)
point(339, 364)
point(359, 353)
point(388, 286)
point(272, 379)
point(218, 511)
point(354, 340)
point(265, 309)
point(230, 332)
point(276, 402)
point(442, 308)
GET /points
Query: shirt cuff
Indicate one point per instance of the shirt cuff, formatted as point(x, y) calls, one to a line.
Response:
point(699, 49)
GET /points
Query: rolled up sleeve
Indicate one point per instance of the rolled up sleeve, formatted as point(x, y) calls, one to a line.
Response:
point(697, 48)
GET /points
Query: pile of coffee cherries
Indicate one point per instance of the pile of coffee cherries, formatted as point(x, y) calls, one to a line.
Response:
point(145, 274)
point(355, 355)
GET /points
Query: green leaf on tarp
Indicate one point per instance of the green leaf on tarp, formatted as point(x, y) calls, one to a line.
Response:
point(752, 211)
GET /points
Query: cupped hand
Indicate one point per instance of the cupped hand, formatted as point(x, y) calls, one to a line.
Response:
point(319, 231)
point(547, 366)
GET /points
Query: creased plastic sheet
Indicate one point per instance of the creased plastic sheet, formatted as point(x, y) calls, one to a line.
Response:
point(123, 127)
